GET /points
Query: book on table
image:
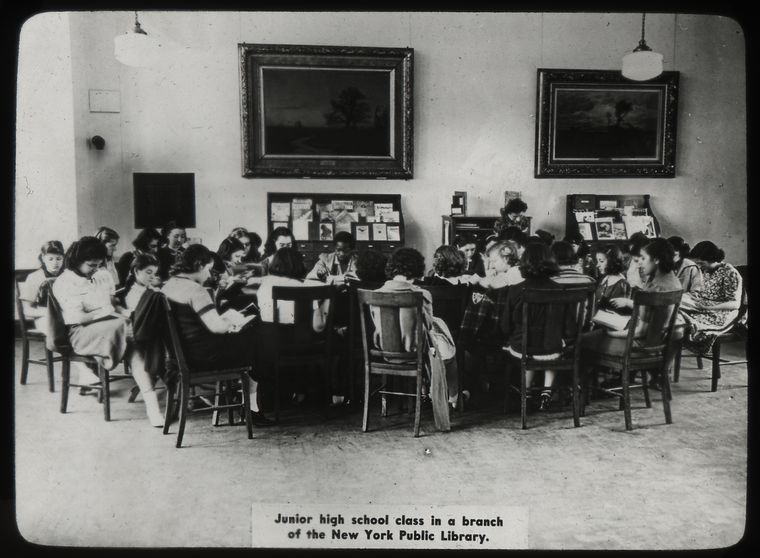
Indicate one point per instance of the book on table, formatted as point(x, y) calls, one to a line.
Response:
point(236, 318)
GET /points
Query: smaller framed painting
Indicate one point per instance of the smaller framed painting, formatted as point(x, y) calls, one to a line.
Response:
point(604, 229)
point(585, 230)
point(326, 230)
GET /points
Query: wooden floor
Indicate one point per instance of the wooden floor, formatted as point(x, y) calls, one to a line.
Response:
point(82, 481)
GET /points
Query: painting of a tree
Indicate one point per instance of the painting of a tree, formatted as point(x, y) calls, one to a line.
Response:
point(349, 109)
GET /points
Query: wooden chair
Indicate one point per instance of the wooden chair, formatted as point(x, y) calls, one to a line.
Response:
point(377, 362)
point(737, 330)
point(449, 304)
point(189, 377)
point(354, 330)
point(652, 352)
point(29, 334)
point(568, 308)
point(59, 343)
point(298, 344)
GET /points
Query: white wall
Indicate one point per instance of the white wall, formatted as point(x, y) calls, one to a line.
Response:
point(474, 114)
point(45, 195)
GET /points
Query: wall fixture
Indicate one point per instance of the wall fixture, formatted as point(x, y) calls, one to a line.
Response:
point(643, 63)
point(98, 142)
point(135, 47)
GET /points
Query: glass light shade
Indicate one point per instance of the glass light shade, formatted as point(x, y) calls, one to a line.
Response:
point(641, 65)
point(136, 49)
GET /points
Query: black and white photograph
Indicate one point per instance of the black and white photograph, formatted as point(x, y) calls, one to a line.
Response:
point(396, 280)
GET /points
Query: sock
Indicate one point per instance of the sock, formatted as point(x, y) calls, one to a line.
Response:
point(253, 391)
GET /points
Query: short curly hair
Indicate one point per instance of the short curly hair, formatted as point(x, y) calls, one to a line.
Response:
point(661, 250)
point(707, 251)
point(615, 261)
point(507, 249)
point(537, 261)
point(515, 205)
point(407, 262)
point(191, 259)
point(448, 261)
point(564, 253)
point(370, 265)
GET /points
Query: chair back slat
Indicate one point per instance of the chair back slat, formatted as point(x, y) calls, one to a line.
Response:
point(660, 309)
point(303, 299)
point(400, 320)
point(176, 347)
point(20, 309)
point(56, 333)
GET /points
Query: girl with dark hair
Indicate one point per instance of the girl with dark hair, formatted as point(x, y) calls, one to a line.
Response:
point(280, 237)
point(583, 251)
point(97, 324)
point(448, 266)
point(538, 268)
point(242, 234)
point(612, 282)
point(110, 239)
point(229, 284)
point(147, 241)
point(144, 276)
point(36, 287)
point(287, 270)
point(632, 260)
point(253, 255)
point(211, 342)
point(716, 306)
point(173, 238)
point(686, 270)
point(474, 264)
point(513, 215)
point(370, 266)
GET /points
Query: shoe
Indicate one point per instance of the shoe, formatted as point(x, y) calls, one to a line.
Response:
point(153, 409)
point(545, 402)
point(259, 419)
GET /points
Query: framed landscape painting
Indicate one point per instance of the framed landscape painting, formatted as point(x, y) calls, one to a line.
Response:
point(596, 123)
point(322, 111)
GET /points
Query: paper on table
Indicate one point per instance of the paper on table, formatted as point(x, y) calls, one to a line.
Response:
point(234, 317)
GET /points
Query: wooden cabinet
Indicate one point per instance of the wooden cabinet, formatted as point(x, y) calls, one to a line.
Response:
point(312, 246)
point(479, 226)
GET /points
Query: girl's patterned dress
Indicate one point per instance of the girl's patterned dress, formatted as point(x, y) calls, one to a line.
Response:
point(723, 284)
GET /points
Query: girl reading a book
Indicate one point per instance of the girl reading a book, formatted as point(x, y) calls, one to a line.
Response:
point(612, 282)
point(36, 288)
point(686, 270)
point(280, 237)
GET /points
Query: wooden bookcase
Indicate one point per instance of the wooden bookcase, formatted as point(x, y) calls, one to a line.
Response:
point(593, 202)
point(312, 246)
point(479, 226)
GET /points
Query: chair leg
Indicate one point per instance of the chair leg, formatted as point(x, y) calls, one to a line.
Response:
point(24, 361)
point(645, 388)
point(229, 399)
point(217, 400)
point(523, 398)
point(666, 395)
point(365, 417)
point(626, 400)
point(699, 362)
point(576, 397)
point(715, 365)
point(677, 364)
point(65, 381)
point(184, 397)
point(105, 391)
point(245, 383)
point(169, 406)
point(276, 392)
point(384, 400)
point(460, 376)
point(418, 406)
point(50, 370)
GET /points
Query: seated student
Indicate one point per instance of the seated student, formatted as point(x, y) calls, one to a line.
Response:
point(97, 325)
point(173, 240)
point(332, 267)
point(569, 265)
point(516, 235)
point(502, 269)
point(545, 236)
point(369, 266)
point(110, 239)
point(229, 285)
point(657, 264)
point(36, 288)
point(583, 251)
point(612, 283)
point(210, 341)
point(448, 267)
point(144, 278)
point(280, 237)
point(686, 270)
point(287, 270)
point(538, 268)
point(474, 265)
point(513, 215)
point(146, 242)
point(634, 274)
point(253, 255)
point(710, 310)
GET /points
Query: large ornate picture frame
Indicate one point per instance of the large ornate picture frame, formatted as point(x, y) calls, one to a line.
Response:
point(326, 111)
point(596, 123)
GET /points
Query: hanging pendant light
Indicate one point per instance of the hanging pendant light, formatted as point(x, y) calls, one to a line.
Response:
point(136, 48)
point(643, 63)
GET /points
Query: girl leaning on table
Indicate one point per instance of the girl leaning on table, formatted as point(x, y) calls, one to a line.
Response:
point(97, 324)
point(211, 342)
point(36, 288)
point(612, 283)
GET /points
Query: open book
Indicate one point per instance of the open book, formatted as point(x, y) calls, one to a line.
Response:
point(611, 320)
point(235, 318)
